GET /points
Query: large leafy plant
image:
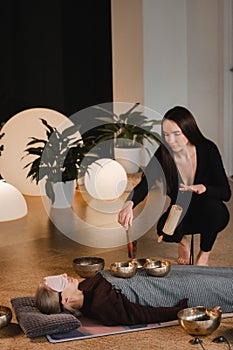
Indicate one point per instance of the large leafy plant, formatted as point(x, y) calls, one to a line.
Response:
point(129, 129)
point(61, 157)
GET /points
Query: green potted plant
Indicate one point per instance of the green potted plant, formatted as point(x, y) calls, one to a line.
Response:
point(129, 131)
point(61, 159)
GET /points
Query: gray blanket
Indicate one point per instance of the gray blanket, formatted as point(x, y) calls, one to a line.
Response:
point(206, 286)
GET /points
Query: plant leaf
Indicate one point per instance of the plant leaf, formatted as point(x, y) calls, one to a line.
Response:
point(35, 140)
point(49, 191)
point(49, 129)
point(71, 130)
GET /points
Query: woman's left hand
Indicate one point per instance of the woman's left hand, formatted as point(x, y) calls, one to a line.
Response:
point(198, 189)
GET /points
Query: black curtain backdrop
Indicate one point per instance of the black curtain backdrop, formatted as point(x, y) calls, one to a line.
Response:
point(54, 54)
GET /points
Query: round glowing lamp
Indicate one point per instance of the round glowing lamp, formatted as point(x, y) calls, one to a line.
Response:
point(18, 131)
point(12, 205)
point(105, 179)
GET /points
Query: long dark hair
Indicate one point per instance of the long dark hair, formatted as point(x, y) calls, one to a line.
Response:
point(187, 123)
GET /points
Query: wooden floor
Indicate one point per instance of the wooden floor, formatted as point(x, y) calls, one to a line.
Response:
point(32, 247)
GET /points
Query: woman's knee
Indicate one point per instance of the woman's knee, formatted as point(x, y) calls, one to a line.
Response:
point(207, 241)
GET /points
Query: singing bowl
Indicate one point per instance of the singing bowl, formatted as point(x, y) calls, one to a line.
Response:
point(157, 268)
point(88, 266)
point(199, 320)
point(123, 269)
point(138, 262)
point(5, 316)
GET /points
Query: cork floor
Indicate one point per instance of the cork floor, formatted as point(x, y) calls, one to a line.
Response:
point(32, 247)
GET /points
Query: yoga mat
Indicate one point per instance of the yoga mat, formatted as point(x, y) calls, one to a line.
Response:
point(92, 328)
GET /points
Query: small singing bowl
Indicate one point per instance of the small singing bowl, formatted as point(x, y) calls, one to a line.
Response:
point(138, 262)
point(157, 268)
point(199, 320)
point(123, 269)
point(88, 266)
point(5, 316)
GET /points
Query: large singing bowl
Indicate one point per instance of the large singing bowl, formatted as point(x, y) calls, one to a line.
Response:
point(199, 320)
point(88, 266)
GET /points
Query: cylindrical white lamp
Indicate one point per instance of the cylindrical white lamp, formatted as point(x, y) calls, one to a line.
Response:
point(12, 205)
point(105, 179)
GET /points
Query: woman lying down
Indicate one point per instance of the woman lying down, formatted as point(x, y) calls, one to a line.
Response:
point(140, 299)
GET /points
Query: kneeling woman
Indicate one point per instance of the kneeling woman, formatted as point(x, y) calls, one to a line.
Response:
point(140, 299)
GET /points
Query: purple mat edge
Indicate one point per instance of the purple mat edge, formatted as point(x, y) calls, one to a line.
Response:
point(78, 334)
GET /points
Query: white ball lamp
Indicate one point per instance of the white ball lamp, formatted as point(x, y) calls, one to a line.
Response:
point(18, 131)
point(12, 205)
point(105, 179)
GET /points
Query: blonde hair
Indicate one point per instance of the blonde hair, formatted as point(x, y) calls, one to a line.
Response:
point(47, 300)
point(73, 308)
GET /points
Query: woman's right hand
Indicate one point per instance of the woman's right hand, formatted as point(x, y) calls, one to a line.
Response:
point(125, 216)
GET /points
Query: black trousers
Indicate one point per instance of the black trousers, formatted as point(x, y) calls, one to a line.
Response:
point(204, 216)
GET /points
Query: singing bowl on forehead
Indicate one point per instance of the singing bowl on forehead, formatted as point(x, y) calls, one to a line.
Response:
point(123, 269)
point(88, 266)
point(199, 320)
point(157, 268)
point(5, 316)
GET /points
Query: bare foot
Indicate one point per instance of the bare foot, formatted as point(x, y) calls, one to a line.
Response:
point(202, 258)
point(183, 252)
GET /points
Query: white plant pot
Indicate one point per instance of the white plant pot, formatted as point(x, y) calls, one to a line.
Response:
point(64, 194)
point(129, 158)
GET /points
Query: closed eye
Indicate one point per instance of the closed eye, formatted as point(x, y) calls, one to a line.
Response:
point(176, 133)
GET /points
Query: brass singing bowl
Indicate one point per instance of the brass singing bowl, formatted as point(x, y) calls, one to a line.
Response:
point(5, 316)
point(88, 266)
point(123, 269)
point(157, 268)
point(140, 262)
point(199, 320)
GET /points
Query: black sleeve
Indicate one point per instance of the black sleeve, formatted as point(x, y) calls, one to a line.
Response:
point(216, 183)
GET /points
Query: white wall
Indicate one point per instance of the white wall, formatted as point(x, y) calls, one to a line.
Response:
point(227, 130)
point(165, 54)
point(182, 59)
point(203, 62)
